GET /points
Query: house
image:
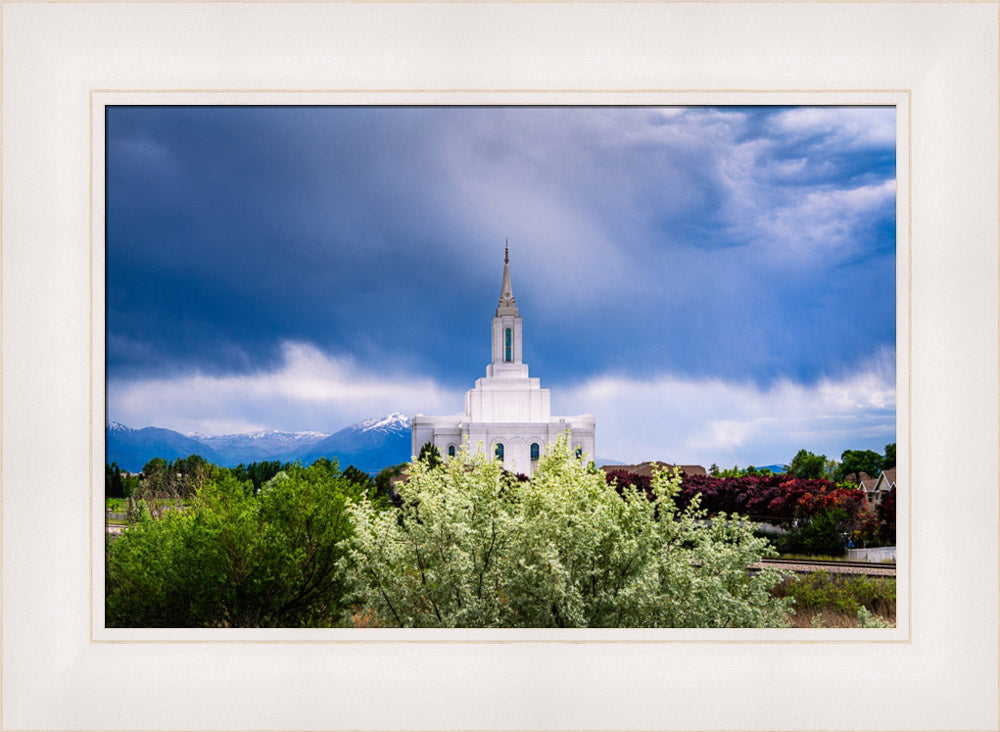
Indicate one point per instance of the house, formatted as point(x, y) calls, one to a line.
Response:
point(876, 488)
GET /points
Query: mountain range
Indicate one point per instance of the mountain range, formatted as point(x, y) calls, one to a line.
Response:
point(369, 445)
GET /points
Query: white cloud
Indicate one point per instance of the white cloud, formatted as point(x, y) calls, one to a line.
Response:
point(709, 420)
point(819, 222)
point(310, 390)
point(843, 125)
point(668, 417)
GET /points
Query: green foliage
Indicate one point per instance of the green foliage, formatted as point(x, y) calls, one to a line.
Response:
point(430, 454)
point(235, 557)
point(821, 534)
point(383, 480)
point(258, 473)
point(178, 479)
point(844, 593)
point(868, 619)
point(113, 484)
point(855, 462)
point(807, 465)
point(889, 460)
point(738, 472)
point(472, 546)
point(116, 505)
point(118, 484)
point(359, 477)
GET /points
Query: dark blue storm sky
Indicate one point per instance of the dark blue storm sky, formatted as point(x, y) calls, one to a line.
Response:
point(304, 267)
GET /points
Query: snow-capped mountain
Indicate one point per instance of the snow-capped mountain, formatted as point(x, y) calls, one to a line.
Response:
point(390, 423)
point(251, 447)
point(369, 445)
point(131, 448)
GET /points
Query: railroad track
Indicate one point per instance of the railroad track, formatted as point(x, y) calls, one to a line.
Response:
point(872, 569)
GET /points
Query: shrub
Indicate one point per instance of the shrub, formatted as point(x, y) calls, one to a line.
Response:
point(472, 546)
point(822, 534)
point(778, 499)
point(235, 557)
point(843, 593)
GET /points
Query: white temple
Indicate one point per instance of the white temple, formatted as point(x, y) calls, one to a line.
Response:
point(506, 412)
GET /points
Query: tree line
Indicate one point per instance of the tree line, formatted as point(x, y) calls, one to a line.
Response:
point(815, 505)
point(805, 464)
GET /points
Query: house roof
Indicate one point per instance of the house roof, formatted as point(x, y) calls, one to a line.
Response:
point(887, 480)
point(884, 482)
point(867, 482)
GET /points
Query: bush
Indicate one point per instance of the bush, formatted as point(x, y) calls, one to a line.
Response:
point(776, 499)
point(472, 546)
point(235, 557)
point(822, 534)
point(843, 593)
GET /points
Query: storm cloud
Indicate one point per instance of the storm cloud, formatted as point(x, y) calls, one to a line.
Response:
point(752, 249)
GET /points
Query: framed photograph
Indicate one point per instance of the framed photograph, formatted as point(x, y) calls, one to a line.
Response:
point(80, 79)
point(276, 267)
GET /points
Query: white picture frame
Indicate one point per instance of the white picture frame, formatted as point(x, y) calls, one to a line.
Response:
point(63, 61)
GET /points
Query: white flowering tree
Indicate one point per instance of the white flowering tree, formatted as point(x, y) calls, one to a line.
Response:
point(472, 546)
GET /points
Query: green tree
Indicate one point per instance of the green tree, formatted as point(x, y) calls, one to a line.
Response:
point(114, 484)
point(472, 546)
point(359, 477)
point(855, 462)
point(236, 558)
point(430, 454)
point(889, 460)
point(824, 533)
point(129, 484)
point(737, 472)
point(259, 472)
point(175, 480)
point(808, 465)
point(155, 473)
point(384, 479)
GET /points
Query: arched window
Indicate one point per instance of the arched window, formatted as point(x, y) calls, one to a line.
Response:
point(451, 451)
point(508, 346)
point(499, 451)
point(579, 451)
point(534, 450)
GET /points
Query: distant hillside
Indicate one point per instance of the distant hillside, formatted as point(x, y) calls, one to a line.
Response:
point(369, 445)
point(251, 447)
point(133, 448)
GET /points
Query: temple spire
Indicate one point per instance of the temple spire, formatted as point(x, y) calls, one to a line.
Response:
point(506, 305)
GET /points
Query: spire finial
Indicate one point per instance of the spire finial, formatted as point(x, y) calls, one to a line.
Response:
point(506, 305)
